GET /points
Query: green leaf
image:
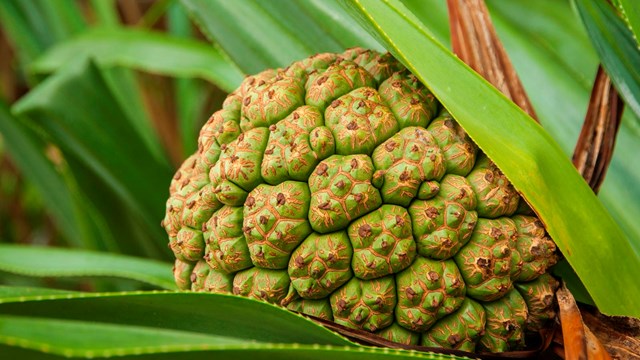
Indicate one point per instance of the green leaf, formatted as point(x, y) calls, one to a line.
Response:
point(630, 10)
point(78, 338)
point(259, 35)
point(26, 260)
point(335, 23)
point(19, 31)
point(195, 325)
point(255, 352)
point(571, 279)
point(146, 51)
point(106, 12)
point(17, 293)
point(36, 25)
point(253, 39)
point(124, 86)
point(206, 313)
point(28, 152)
point(190, 95)
point(95, 129)
point(534, 163)
point(616, 47)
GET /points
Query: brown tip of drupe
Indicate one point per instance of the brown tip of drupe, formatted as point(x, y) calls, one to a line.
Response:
point(433, 276)
point(325, 206)
point(322, 169)
point(449, 123)
point(364, 230)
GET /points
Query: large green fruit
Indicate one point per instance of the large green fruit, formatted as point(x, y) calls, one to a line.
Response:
point(337, 187)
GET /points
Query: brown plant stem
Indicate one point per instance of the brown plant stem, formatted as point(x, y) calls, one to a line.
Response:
point(594, 149)
point(475, 41)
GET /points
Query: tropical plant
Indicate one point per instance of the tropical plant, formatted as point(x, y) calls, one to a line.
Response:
point(104, 99)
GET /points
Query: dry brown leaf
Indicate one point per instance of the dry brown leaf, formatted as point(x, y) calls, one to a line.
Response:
point(573, 334)
point(619, 335)
point(579, 341)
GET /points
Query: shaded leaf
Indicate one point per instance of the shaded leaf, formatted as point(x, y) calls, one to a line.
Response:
point(167, 323)
point(338, 25)
point(258, 35)
point(36, 25)
point(213, 314)
point(28, 152)
point(146, 51)
point(616, 47)
point(630, 11)
point(190, 96)
point(253, 39)
point(94, 129)
point(27, 260)
point(257, 352)
point(16, 293)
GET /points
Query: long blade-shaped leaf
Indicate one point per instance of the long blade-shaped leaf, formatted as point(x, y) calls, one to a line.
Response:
point(33, 26)
point(252, 38)
point(189, 95)
point(195, 325)
point(86, 339)
point(534, 163)
point(337, 24)
point(259, 35)
point(630, 10)
point(28, 153)
point(257, 352)
point(147, 51)
point(26, 260)
point(78, 338)
point(78, 111)
point(17, 293)
point(206, 313)
point(616, 47)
